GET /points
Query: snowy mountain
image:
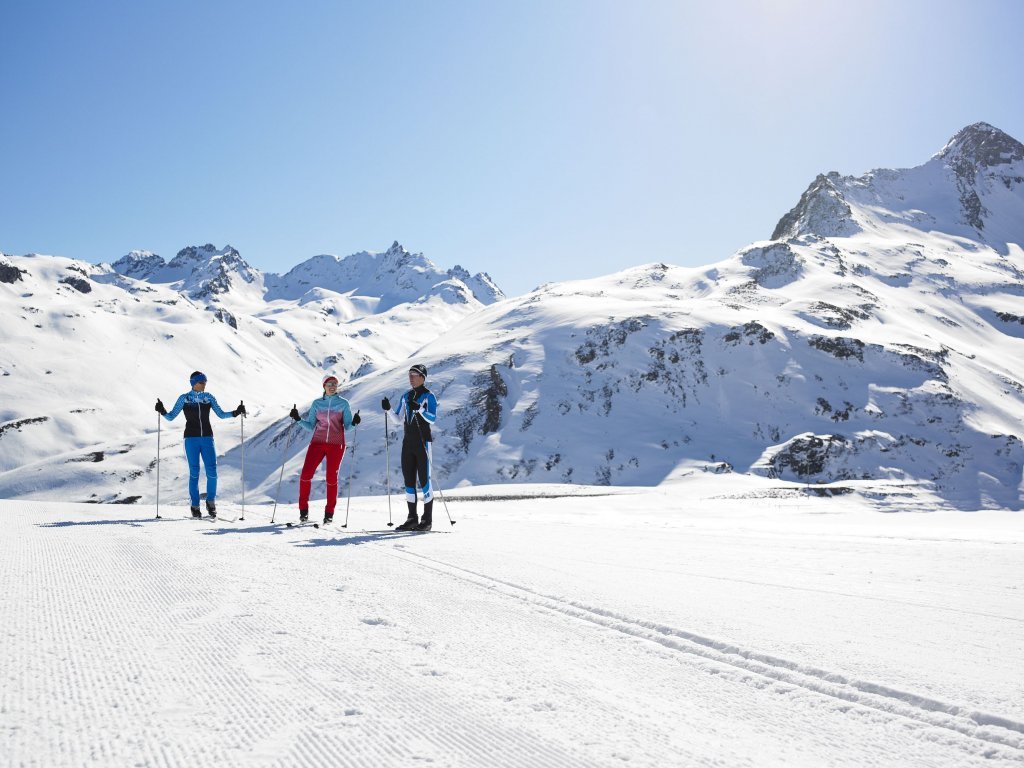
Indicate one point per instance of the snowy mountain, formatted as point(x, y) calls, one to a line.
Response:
point(873, 341)
point(395, 276)
point(88, 348)
point(872, 338)
point(972, 188)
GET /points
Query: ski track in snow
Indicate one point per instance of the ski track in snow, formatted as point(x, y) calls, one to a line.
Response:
point(130, 641)
point(903, 704)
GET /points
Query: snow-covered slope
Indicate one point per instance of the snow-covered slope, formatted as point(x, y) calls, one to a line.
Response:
point(628, 379)
point(876, 337)
point(884, 341)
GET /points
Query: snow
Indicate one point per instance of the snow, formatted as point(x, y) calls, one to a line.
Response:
point(701, 623)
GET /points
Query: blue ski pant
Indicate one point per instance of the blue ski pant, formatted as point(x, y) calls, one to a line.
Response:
point(194, 448)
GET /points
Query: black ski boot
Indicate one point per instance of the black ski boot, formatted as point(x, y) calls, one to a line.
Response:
point(211, 509)
point(328, 518)
point(196, 512)
point(303, 515)
point(427, 519)
point(411, 522)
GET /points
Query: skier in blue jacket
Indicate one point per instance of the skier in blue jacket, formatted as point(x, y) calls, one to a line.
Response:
point(197, 404)
point(418, 410)
point(327, 419)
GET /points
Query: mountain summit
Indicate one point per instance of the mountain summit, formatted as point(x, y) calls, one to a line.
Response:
point(973, 187)
point(395, 276)
point(982, 146)
point(202, 272)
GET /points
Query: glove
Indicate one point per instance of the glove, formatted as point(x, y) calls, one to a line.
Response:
point(294, 413)
point(239, 411)
point(160, 407)
point(414, 403)
point(385, 404)
point(356, 419)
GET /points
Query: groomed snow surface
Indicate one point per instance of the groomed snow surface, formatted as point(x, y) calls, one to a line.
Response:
point(688, 625)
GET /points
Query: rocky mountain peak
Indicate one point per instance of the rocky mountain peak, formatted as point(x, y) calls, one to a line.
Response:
point(980, 151)
point(979, 171)
point(207, 272)
point(981, 146)
point(483, 287)
point(139, 264)
point(397, 258)
point(822, 210)
point(459, 273)
point(194, 255)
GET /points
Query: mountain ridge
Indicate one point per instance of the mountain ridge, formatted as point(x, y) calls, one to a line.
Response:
point(976, 180)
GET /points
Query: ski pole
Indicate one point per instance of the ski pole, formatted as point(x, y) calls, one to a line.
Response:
point(241, 426)
point(284, 457)
point(387, 459)
point(158, 466)
point(351, 471)
point(440, 493)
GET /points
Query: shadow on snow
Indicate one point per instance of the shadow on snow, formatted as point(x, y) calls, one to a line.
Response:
point(357, 538)
point(137, 522)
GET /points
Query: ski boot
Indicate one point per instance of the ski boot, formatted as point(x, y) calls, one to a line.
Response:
point(328, 518)
point(410, 522)
point(196, 513)
point(303, 515)
point(211, 508)
point(427, 519)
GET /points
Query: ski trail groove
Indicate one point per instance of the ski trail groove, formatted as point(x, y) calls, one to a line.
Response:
point(927, 711)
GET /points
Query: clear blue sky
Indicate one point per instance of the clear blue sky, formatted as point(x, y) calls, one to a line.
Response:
point(535, 140)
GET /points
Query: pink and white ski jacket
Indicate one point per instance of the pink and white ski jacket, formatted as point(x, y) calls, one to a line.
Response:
point(327, 418)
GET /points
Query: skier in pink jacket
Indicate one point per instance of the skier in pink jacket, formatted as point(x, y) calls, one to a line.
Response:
point(327, 419)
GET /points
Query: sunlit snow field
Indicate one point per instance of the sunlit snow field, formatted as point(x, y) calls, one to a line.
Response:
point(715, 621)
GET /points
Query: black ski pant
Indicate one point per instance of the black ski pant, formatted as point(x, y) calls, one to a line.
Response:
point(416, 467)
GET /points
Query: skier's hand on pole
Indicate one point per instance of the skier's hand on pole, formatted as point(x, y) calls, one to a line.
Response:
point(294, 412)
point(356, 419)
point(414, 404)
point(385, 404)
point(240, 410)
point(159, 407)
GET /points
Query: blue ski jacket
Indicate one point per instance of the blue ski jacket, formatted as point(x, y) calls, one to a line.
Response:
point(417, 423)
point(197, 406)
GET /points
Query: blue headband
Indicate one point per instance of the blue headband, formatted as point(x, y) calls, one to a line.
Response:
point(196, 378)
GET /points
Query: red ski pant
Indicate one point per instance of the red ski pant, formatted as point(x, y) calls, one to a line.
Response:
point(314, 455)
